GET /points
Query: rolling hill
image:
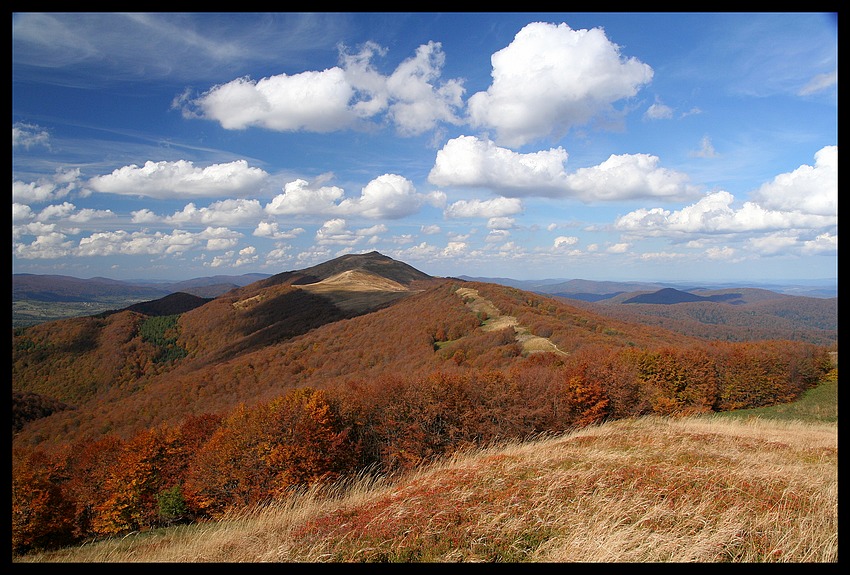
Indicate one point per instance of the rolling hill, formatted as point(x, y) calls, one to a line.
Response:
point(668, 296)
point(574, 288)
point(357, 316)
point(736, 313)
point(171, 304)
point(59, 288)
point(743, 314)
point(594, 290)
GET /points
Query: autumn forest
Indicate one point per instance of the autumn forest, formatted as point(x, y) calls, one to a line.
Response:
point(190, 409)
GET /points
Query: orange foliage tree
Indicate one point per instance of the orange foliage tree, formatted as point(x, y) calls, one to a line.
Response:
point(385, 413)
point(754, 374)
point(312, 444)
point(256, 454)
point(42, 515)
point(133, 485)
point(226, 472)
point(89, 465)
point(678, 381)
point(585, 398)
point(185, 441)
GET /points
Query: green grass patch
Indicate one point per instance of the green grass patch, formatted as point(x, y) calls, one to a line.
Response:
point(817, 405)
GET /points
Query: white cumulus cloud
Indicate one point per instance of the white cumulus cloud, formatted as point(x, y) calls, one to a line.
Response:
point(225, 213)
point(497, 207)
point(822, 244)
point(808, 189)
point(168, 180)
point(552, 78)
point(299, 197)
point(336, 232)
point(714, 214)
point(316, 101)
point(468, 161)
point(139, 243)
point(564, 241)
point(473, 162)
point(272, 230)
point(388, 196)
point(418, 104)
point(628, 176)
point(413, 96)
point(47, 188)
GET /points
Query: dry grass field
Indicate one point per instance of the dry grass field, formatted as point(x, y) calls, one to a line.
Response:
point(652, 489)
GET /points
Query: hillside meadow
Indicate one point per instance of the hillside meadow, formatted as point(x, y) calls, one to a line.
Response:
point(757, 485)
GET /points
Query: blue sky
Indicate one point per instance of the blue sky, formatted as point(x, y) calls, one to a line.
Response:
point(601, 146)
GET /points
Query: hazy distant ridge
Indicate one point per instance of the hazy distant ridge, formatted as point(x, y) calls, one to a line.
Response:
point(591, 290)
point(67, 288)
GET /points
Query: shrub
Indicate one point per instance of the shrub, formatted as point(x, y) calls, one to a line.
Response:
point(172, 505)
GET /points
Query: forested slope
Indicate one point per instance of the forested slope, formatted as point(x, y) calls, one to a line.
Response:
point(301, 340)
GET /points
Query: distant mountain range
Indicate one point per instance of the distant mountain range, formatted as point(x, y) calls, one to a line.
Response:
point(592, 291)
point(61, 288)
point(39, 298)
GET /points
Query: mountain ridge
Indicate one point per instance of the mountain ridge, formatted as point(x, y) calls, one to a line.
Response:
point(52, 287)
point(357, 316)
point(252, 340)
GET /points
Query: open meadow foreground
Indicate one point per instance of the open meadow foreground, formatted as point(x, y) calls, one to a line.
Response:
point(750, 486)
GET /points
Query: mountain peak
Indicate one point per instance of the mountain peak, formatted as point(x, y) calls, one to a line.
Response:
point(372, 262)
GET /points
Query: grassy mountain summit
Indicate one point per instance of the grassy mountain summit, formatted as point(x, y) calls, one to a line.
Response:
point(372, 262)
